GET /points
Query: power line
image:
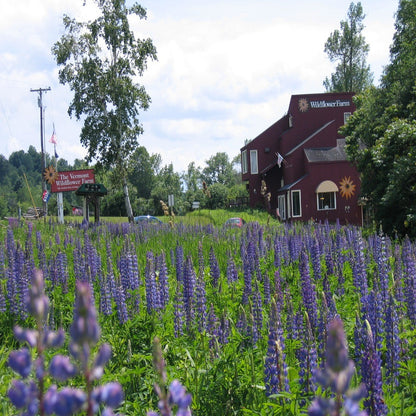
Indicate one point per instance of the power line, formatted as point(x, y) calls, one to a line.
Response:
point(42, 139)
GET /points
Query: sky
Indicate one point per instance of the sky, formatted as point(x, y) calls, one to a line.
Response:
point(225, 70)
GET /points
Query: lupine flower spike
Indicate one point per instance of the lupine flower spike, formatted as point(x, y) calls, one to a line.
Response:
point(174, 397)
point(30, 397)
point(336, 377)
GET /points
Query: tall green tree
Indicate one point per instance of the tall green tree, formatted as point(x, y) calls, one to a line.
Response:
point(100, 61)
point(219, 169)
point(168, 182)
point(381, 134)
point(348, 48)
point(143, 169)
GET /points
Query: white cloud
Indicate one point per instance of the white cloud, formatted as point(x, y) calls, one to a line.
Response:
point(225, 69)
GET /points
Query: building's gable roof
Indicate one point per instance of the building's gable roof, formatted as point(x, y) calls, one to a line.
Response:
point(290, 185)
point(332, 154)
point(301, 144)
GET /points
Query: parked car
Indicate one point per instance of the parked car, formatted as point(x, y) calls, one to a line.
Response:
point(147, 218)
point(234, 222)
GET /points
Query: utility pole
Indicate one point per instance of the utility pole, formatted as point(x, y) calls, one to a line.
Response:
point(42, 144)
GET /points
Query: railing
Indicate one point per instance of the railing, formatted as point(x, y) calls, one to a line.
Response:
point(240, 201)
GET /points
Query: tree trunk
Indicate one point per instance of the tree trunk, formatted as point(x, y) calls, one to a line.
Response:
point(127, 201)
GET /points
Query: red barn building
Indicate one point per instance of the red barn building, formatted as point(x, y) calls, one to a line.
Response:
point(298, 167)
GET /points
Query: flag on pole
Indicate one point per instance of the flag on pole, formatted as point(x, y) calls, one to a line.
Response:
point(53, 137)
point(279, 159)
point(45, 196)
point(56, 154)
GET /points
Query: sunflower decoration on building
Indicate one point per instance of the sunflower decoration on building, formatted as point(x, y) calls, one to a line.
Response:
point(303, 105)
point(347, 187)
point(50, 174)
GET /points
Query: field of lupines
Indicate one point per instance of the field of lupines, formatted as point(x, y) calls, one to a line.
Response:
point(250, 322)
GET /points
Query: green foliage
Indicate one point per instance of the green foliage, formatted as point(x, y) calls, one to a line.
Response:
point(102, 82)
point(100, 61)
point(380, 135)
point(142, 171)
point(348, 48)
point(219, 169)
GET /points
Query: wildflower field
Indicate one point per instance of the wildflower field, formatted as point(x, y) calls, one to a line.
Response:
point(250, 321)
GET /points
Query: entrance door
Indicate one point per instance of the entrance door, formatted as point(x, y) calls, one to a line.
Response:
point(281, 204)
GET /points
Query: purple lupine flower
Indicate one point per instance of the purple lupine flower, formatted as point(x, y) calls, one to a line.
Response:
point(242, 324)
point(179, 263)
point(201, 303)
point(275, 371)
point(308, 358)
point(398, 276)
point(2, 263)
point(152, 296)
point(257, 312)
point(62, 271)
point(189, 283)
point(53, 339)
point(383, 266)
point(372, 307)
point(21, 362)
point(24, 396)
point(325, 316)
point(371, 375)
point(308, 291)
point(249, 265)
point(22, 284)
point(278, 248)
point(110, 279)
point(68, 401)
point(329, 260)
point(392, 343)
point(110, 394)
point(105, 296)
point(61, 368)
point(84, 328)
point(85, 333)
point(120, 299)
point(174, 396)
point(337, 376)
point(316, 259)
point(201, 263)
point(29, 259)
point(11, 288)
point(278, 290)
point(232, 274)
point(409, 271)
point(38, 302)
point(214, 268)
point(266, 288)
point(3, 304)
point(358, 266)
point(212, 327)
point(163, 283)
point(178, 395)
point(178, 312)
point(223, 332)
point(294, 248)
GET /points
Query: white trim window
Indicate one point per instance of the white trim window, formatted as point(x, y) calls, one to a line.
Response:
point(254, 167)
point(281, 205)
point(326, 196)
point(244, 164)
point(326, 201)
point(347, 115)
point(296, 204)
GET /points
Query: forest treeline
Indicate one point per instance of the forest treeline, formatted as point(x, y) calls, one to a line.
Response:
point(149, 182)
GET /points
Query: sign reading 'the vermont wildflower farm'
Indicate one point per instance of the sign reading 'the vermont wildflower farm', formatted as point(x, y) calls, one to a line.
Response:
point(72, 180)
